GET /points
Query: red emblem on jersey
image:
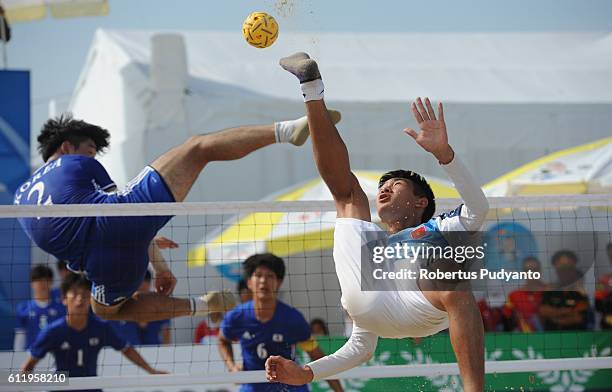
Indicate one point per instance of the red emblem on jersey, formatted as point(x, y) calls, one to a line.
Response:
point(418, 232)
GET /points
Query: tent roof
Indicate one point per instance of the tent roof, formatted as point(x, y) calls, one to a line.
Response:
point(457, 67)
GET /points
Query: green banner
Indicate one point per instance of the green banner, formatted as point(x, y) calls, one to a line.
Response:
point(499, 347)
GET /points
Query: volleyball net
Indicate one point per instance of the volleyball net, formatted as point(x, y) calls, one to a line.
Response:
point(567, 237)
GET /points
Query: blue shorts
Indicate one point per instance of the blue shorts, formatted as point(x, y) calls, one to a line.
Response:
point(116, 256)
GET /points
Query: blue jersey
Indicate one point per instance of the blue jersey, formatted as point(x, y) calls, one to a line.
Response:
point(69, 179)
point(111, 250)
point(136, 335)
point(32, 318)
point(76, 352)
point(258, 341)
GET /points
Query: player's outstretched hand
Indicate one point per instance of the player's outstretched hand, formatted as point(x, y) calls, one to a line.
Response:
point(433, 137)
point(165, 243)
point(165, 282)
point(279, 369)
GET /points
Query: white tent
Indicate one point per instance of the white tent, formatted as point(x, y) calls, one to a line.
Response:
point(511, 97)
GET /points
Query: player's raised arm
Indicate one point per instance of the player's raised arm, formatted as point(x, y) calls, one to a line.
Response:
point(330, 153)
point(433, 138)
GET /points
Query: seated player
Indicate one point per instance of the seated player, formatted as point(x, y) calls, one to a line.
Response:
point(209, 329)
point(266, 326)
point(76, 340)
point(143, 333)
point(34, 315)
point(63, 271)
point(114, 251)
point(603, 294)
point(522, 306)
point(405, 205)
point(318, 327)
point(566, 306)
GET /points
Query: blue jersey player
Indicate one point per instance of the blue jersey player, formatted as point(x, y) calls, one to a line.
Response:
point(405, 204)
point(266, 326)
point(76, 340)
point(34, 315)
point(114, 251)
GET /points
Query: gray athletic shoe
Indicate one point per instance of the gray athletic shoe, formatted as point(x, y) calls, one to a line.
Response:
point(300, 135)
point(302, 66)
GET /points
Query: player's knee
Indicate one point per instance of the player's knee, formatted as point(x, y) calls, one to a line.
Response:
point(198, 147)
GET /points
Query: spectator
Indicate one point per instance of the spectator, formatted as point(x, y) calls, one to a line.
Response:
point(244, 293)
point(143, 333)
point(75, 340)
point(207, 331)
point(318, 327)
point(603, 294)
point(63, 271)
point(566, 308)
point(5, 29)
point(522, 307)
point(34, 315)
point(492, 316)
point(266, 326)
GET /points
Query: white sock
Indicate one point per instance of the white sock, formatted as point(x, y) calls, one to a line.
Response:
point(199, 307)
point(283, 130)
point(313, 90)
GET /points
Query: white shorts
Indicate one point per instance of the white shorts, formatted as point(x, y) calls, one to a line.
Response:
point(392, 314)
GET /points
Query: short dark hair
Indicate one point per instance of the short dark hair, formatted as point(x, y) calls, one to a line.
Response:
point(61, 265)
point(41, 272)
point(564, 253)
point(64, 128)
point(421, 189)
point(73, 281)
point(242, 285)
point(268, 260)
point(321, 322)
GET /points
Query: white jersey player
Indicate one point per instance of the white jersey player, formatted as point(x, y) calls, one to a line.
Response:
point(405, 204)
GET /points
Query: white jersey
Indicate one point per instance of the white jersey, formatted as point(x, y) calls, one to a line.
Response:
point(394, 313)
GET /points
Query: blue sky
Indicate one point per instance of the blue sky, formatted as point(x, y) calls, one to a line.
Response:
point(55, 50)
